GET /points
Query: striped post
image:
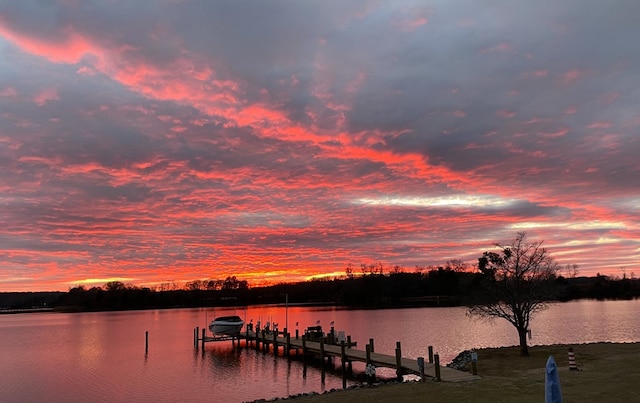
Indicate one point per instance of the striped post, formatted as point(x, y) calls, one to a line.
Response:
point(572, 360)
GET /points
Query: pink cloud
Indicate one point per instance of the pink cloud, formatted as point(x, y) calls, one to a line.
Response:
point(609, 98)
point(70, 49)
point(599, 125)
point(537, 73)
point(505, 114)
point(8, 92)
point(45, 96)
point(498, 48)
point(558, 133)
point(571, 76)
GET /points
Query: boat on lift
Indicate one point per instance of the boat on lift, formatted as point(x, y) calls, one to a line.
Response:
point(226, 326)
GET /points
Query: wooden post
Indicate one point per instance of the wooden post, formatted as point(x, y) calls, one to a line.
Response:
point(430, 354)
point(348, 341)
point(371, 344)
point(421, 368)
point(146, 341)
point(368, 354)
point(204, 334)
point(297, 334)
point(288, 343)
point(322, 373)
point(257, 334)
point(436, 358)
point(304, 359)
point(265, 343)
point(343, 355)
point(275, 343)
point(195, 336)
point(398, 362)
point(304, 351)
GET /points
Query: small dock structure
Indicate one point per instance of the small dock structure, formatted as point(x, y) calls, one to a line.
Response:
point(315, 343)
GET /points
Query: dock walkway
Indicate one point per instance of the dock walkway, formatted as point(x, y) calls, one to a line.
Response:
point(351, 354)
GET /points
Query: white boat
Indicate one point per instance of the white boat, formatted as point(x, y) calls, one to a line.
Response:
point(226, 326)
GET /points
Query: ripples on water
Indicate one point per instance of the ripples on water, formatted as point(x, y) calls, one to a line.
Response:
point(100, 356)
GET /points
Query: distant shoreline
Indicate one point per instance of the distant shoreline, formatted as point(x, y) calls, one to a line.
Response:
point(24, 310)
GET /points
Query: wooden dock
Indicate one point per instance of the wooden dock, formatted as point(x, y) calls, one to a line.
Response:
point(346, 351)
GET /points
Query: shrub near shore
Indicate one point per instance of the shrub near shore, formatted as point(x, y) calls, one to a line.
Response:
point(608, 372)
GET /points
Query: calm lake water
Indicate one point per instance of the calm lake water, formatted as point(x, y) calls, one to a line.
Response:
point(59, 357)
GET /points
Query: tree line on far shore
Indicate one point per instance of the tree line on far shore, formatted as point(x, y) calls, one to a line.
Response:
point(372, 286)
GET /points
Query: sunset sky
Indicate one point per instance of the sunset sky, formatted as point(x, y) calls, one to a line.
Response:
point(163, 141)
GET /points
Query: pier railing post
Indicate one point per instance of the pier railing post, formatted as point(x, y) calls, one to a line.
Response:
point(436, 357)
point(398, 362)
point(288, 343)
point(343, 355)
point(304, 359)
point(304, 351)
point(265, 343)
point(430, 354)
point(275, 343)
point(322, 373)
point(421, 368)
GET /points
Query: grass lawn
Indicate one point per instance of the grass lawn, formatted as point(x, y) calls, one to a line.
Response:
point(608, 372)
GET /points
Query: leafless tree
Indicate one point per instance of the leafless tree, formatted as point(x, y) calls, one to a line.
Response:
point(515, 283)
point(571, 270)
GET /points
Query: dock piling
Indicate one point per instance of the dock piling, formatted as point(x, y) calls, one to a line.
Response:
point(275, 343)
point(371, 344)
point(436, 358)
point(304, 353)
point(398, 362)
point(322, 372)
point(421, 368)
point(288, 343)
point(430, 354)
point(146, 341)
point(344, 362)
point(195, 336)
point(368, 354)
